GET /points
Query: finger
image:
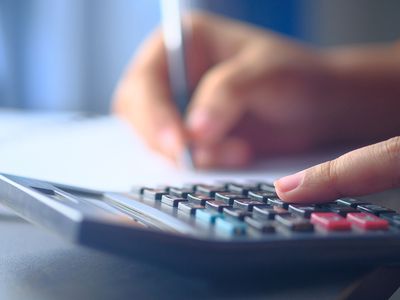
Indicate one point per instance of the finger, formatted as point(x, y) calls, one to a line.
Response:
point(144, 99)
point(370, 169)
point(232, 153)
point(216, 105)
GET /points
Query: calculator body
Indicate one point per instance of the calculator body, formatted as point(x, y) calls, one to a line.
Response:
point(130, 225)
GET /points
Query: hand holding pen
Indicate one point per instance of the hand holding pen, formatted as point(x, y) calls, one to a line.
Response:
point(257, 94)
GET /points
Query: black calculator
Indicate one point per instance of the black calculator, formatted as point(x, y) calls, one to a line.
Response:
point(205, 228)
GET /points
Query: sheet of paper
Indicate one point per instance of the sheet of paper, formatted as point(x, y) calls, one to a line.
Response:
point(104, 153)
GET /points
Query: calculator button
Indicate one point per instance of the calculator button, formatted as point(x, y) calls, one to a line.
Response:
point(304, 210)
point(242, 188)
point(224, 184)
point(189, 208)
point(138, 190)
point(208, 216)
point(268, 212)
point(278, 202)
point(341, 209)
point(228, 197)
point(261, 195)
point(266, 187)
point(235, 213)
point(209, 190)
point(260, 225)
point(294, 223)
point(247, 204)
point(216, 205)
point(181, 193)
point(191, 186)
point(171, 200)
point(198, 199)
point(330, 221)
point(374, 209)
point(367, 221)
point(393, 218)
point(350, 202)
point(230, 226)
point(154, 194)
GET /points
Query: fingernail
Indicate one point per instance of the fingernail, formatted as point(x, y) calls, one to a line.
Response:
point(170, 142)
point(199, 120)
point(289, 183)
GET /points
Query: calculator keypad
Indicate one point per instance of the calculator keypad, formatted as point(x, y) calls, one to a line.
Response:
point(255, 209)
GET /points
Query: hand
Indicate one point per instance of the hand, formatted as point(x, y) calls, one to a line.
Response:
point(257, 94)
point(363, 171)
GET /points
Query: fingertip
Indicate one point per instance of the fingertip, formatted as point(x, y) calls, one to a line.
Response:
point(171, 143)
point(288, 188)
point(204, 126)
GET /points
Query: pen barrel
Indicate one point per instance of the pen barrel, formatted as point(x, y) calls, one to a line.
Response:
point(175, 38)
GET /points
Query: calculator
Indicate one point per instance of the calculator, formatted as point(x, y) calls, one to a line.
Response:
point(206, 228)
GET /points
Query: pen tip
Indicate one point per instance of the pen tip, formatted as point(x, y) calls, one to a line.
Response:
point(187, 159)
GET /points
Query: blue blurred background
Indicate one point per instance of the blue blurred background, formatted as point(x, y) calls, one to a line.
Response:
point(69, 54)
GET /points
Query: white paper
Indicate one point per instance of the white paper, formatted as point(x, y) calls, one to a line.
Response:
point(104, 153)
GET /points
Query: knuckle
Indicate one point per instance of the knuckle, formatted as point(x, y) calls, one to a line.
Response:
point(392, 150)
point(222, 83)
point(329, 172)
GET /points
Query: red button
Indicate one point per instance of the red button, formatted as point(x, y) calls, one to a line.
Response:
point(330, 221)
point(367, 221)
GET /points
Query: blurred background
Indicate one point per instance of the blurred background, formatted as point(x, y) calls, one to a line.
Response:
point(67, 55)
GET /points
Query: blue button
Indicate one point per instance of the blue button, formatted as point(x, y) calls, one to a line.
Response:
point(208, 216)
point(229, 226)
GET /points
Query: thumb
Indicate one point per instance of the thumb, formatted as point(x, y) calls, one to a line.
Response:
point(366, 170)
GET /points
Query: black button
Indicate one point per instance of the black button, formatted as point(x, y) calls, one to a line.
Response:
point(228, 197)
point(181, 193)
point(138, 190)
point(236, 213)
point(260, 225)
point(393, 218)
point(209, 190)
point(266, 187)
point(304, 210)
point(189, 208)
point(268, 212)
point(224, 184)
point(294, 223)
point(278, 202)
point(191, 186)
point(374, 209)
point(261, 195)
point(341, 209)
point(247, 204)
point(154, 194)
point(198, 199)
point(350, 202)
point(171, 200)
point(216, 205)
point(242, 188)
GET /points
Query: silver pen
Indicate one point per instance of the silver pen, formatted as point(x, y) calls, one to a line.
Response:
point(174, 34)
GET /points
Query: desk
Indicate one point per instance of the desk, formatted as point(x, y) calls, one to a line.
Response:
point(35, 264)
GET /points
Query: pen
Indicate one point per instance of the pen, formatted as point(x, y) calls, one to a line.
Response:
point(174, 35)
